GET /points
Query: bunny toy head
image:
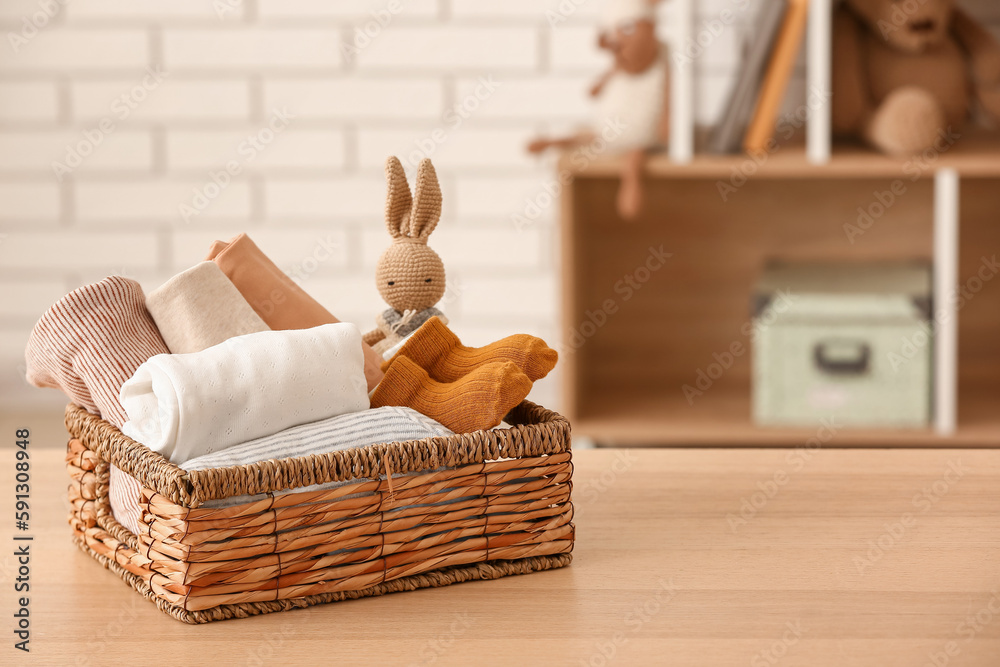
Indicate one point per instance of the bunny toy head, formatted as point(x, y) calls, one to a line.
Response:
point(409, 275)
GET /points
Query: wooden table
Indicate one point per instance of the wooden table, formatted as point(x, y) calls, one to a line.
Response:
point(683, 557)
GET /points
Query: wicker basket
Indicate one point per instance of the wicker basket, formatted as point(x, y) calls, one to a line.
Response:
point(414, 514)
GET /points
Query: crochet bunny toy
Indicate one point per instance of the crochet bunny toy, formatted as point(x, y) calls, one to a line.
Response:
point(633, 107)
point(906, 74)
point(409, 275)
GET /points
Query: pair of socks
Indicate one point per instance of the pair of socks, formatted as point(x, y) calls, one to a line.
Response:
point(188, 405)
point(464, 388)
point(88, 344)
point(199, 308)
point(275, 297)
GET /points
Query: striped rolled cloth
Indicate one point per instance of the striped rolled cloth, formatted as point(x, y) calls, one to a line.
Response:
point(358, 429)
point(88, 344)
point(91, 341)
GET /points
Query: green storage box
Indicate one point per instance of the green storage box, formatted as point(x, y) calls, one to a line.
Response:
point(851, 342)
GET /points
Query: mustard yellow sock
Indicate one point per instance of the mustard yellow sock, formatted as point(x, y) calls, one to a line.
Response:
point(479, 400)
point(437, 349)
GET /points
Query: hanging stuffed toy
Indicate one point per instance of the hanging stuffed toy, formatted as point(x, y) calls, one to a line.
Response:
point(632, 97)
point(906, 76)
point(409, 275)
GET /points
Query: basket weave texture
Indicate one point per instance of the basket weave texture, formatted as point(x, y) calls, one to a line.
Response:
point(414, 514)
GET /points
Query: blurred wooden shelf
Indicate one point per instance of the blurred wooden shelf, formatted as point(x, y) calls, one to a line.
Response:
point(976, 154)
point(624, 366)
point(721, 418)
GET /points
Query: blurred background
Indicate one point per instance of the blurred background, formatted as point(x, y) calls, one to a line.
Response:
point(141, 102)
point(118, 118)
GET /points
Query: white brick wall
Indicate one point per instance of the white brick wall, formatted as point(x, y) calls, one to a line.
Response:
point(257, 48)
point(372, 97)
point(130, 203)
point(142, 11)
point(29, 101)
point(349, 10)
point(33, 151)
point(184, 101)
point(78, 50)
point(409, 88)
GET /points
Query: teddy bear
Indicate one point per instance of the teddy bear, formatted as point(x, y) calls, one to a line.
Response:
point(905, 72)
point(632, 97)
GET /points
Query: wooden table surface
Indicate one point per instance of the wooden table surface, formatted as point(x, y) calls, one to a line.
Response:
point(683, 557)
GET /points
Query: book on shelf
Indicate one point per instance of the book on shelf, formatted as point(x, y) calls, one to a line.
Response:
point(775, 82)
point(727, 136)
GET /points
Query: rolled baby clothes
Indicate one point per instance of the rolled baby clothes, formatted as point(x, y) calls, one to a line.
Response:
point(351, 431)
point(199, 308)
point(91, 341)
point(279, 301)
point(189, 405)
point(276, 298)
point(88, 344)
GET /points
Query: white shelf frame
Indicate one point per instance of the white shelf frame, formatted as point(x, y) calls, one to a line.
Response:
point(682, 85)
point(947, 213)
point(819, 58)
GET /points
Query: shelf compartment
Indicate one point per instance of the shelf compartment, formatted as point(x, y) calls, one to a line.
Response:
point(626, 369)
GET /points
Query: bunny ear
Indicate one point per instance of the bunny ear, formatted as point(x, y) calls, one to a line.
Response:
point(426, 202)
point(398, 200)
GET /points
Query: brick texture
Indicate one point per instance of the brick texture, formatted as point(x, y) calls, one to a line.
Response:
point(466, 82)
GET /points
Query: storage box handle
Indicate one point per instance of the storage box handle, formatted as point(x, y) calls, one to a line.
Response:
point(842, 357)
